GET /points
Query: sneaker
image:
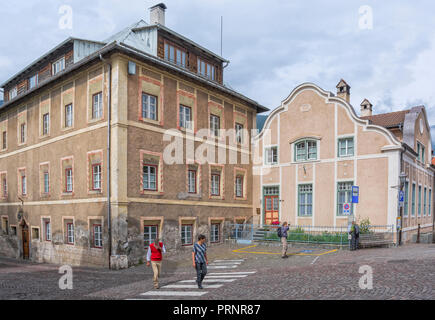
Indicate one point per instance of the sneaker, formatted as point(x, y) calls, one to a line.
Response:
point(200, 286)
point(285, 257)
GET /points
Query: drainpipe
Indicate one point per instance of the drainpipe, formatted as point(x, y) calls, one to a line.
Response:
point(109, 120)
point(399, 241)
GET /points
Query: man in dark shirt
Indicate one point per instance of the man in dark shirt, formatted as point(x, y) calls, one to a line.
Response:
point(200, 261)
point(284, 230)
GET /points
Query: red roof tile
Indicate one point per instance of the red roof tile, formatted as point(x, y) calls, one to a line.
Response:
point(388, 120)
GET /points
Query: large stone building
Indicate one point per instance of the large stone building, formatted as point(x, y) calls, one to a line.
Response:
point(82, 169)
point(314, 148)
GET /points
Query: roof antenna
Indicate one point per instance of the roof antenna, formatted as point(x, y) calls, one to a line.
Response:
point(222, 31)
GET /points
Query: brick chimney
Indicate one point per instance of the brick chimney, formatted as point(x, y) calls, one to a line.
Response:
point(157, 14)
point(343, 90)
point(366, 108)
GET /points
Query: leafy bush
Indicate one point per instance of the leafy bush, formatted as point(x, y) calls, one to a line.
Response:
point(364, 226)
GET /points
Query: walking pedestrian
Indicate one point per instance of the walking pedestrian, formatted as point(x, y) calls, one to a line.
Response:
point(353, 240)
point(154, 258)
point(356, 236)
point(200, 261)
point(283, 233)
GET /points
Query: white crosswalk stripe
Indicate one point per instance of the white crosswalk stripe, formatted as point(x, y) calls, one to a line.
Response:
point(229, 260)
point(229, 273)
point(213, 280)
point(221, 267)
point(210, 280)
point(191, 286)
point(175, 293)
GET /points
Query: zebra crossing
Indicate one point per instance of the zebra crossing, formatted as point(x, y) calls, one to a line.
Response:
point(221, 274)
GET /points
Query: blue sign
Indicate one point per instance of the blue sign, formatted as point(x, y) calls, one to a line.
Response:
point(401, 196)
point(355, 194)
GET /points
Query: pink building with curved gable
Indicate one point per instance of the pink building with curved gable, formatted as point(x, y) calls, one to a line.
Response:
point(314, 148)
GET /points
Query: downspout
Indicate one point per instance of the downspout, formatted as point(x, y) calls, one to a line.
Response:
point(109, 120)
point(401, 187)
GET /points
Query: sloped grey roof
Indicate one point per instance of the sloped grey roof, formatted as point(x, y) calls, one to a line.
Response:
point(124, 33)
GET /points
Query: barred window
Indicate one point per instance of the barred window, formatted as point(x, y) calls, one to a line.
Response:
point(344, 195)
point(305, 200)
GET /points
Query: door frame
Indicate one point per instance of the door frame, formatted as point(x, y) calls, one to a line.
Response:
point(25, 226)
point(277, 195)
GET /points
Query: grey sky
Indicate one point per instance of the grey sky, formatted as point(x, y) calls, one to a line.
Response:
point(273, 45)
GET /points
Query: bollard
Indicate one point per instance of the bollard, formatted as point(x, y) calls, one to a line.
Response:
point(418, 234)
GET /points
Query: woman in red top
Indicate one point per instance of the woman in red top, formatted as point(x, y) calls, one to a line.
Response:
point(155, 255)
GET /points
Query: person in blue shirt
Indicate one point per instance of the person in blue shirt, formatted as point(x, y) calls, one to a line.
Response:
point(284, 231)
point(200, 261)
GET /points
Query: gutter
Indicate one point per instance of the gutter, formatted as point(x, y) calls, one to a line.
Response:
point(109, 134)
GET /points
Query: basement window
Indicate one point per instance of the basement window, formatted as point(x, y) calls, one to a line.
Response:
point(35, 233)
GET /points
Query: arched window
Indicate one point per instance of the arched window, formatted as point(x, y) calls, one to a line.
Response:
point(306, 150)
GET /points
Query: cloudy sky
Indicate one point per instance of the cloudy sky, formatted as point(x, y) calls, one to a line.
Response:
point(273, 45)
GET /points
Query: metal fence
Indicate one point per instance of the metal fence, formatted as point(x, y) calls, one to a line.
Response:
point(248, 233)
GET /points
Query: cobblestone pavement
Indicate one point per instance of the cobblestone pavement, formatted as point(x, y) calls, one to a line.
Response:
point(407, 272)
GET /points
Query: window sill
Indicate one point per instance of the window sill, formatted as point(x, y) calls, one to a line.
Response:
point(150, 121)
point(152, 193)
point(305, 161)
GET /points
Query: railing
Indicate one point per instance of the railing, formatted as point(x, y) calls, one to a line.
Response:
point(306, 234)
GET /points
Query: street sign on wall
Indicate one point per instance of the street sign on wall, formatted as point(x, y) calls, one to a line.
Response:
point(355, 194)
point(346, 209)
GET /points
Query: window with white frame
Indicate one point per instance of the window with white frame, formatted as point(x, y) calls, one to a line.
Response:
point(150, 177)
point(68, 115)
point(23, 185)
point(239, 133)
point(192, 181)
point(96, 176)
point(150, 234)
point(23, 133)
point(413, 200)
point(206, 69)
point(215, 184)
point(13, 93)
point(419, 201)
point(70, 233)
point(68, 180)
point(4, 140)
point(239, 186)
point(97, 106)
point(149, 106)
point(47, 229)
point(429, 212)
point(305, 200)
point(45, 124)
point(98, 235)
point(306, 150)
point(33, 81)
point(420, 152)
point(215, 232)
point(215, 125)
point(345, 147)
point(186, 234)
point(175, 55)
point(271, 155)
point(58, 66)
point(424, 201)
point(406, 200)
point(185, 117)
point(46, 182)
point(344, 195)
point(5, 186)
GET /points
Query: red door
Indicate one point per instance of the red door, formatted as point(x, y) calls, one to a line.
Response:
point(26, 239)
point(271, 209)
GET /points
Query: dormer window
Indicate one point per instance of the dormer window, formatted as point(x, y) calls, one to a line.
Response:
point(175, 55)
point(206, 69)
point(58, 66)
point(33, 81)
point(13, 93)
